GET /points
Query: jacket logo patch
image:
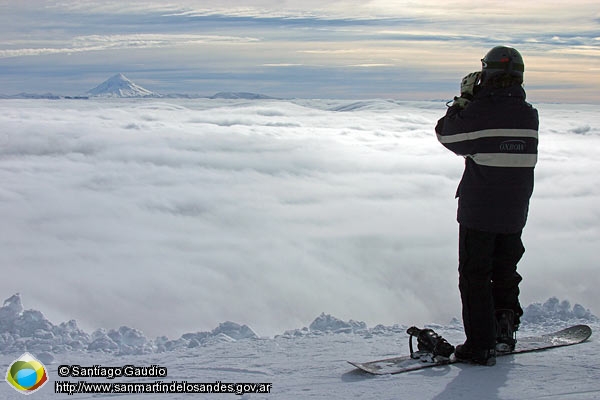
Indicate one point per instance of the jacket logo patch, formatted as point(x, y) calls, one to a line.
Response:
point(513, 146)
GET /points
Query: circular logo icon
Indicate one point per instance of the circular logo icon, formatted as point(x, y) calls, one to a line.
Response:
point(26, 374)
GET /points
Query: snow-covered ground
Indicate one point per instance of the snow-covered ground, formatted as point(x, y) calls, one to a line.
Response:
point(303, 363)
point(174, 216)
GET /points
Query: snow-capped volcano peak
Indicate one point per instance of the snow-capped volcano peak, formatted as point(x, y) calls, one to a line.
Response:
point(120, 86)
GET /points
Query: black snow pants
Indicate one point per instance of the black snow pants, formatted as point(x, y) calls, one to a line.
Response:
point(488, 281)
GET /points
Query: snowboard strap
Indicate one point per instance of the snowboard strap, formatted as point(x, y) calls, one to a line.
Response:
point(430, 344)
point(412, 331)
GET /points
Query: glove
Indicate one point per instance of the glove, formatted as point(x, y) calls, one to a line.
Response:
point(461, 102)
point(467, 87)
point(468, 83)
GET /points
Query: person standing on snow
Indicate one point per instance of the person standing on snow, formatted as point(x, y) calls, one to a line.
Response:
point(496, 130)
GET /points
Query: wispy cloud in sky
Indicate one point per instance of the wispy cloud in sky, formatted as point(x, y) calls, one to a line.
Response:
point(126, 41)
point(290, 49)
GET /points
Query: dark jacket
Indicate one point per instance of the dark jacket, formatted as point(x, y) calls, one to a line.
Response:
point(497, 133)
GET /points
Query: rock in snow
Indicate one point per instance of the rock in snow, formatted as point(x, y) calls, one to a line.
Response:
point(28, 330)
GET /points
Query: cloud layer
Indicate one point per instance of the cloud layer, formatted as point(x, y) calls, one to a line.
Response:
point(172, 217)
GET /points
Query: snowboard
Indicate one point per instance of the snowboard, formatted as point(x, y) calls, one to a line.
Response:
point(397, 365)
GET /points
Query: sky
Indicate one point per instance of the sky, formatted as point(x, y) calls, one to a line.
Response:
point(352, 49)
point(172, 216)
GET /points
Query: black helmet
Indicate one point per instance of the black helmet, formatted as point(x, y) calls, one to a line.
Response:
point(502, 60)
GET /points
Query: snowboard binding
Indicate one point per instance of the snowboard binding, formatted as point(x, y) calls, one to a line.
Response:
point(431, 346)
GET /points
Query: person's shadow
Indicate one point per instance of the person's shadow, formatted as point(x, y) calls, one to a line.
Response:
point(478, 382)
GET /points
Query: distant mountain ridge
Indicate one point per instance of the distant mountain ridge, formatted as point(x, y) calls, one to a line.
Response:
point(240, 95)
point(120, 87)
point(37, 96)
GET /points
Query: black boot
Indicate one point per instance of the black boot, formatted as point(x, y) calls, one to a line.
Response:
point(506, 337)
point(464, 352)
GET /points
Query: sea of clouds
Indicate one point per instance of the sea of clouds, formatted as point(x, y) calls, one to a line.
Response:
point(173, 216)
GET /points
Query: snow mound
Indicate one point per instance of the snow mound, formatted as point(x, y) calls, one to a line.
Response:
point(124, 340)
point(120, 86)
point(28, 330)
point(328, 323)
point(554, 310)
point(234, 331)
point(11, 310)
